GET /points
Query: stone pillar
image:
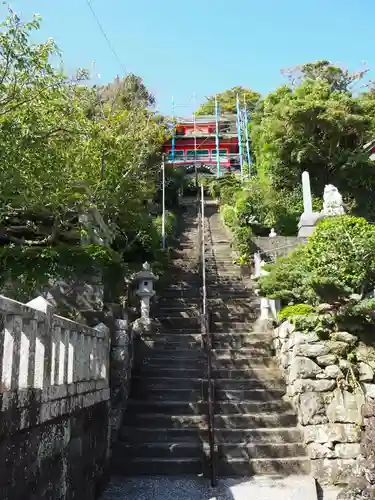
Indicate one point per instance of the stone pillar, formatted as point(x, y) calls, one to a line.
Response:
point(121, 366)
point(309, 218)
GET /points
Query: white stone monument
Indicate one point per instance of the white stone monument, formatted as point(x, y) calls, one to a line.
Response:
point(145, 280)
point(309, 218)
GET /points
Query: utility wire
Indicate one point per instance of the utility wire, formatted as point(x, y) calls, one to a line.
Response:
point(106, 36)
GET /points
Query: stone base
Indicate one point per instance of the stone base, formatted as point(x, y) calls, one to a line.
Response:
point(307, 224)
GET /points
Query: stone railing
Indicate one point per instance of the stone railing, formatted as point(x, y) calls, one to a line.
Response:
point(51, 361)
point(329, 409)
point(54, 404)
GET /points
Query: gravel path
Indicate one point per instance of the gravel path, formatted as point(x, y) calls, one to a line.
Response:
point(263, 488)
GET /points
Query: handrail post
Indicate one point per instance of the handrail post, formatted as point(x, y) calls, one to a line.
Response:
point(207, 337)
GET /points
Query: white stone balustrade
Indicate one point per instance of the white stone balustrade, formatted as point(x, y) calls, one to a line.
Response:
point(53, 358)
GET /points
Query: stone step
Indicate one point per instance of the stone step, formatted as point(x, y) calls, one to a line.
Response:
point(232, 326)
point(228, 451)
point(245, 363)
point(161, 420)
point(169, 383)
point(177, 312)
point(249, 383)
point(201, 407)
point(235, 316)
point(187, 294)
point(144, 382)
point(263, 350)
point(146, 393)
point(251, 373)
point(163, 301)
point(244, 354)
point(178, 323)
point(170, 362)
point(256, 420)
point(248, 451)
point(265, 466)
point(179, 372)
point(167, 354)
point(173, 341)
point(143, 466)
point(242, 395)
point(252, 352)
point(240, 437)
point(252, 335)
point(173, 449)
point(225, 294)
point(240, 342)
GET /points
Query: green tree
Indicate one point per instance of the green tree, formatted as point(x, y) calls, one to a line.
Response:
point(312, 127)
point(227, 101)
point(339, 79)
point(51, 146)
point(123, 93)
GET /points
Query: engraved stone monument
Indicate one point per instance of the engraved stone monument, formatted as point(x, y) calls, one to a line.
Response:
point(308, 218)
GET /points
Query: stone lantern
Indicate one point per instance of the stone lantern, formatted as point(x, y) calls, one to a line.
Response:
point(144, 281)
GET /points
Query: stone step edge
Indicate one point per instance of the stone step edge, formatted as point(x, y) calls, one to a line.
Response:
point(204, 443)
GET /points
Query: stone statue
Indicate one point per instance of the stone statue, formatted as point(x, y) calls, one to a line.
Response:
point(332, 202)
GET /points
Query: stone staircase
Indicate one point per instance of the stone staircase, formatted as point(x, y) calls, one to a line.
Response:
point(256, 429)
point(165, 429)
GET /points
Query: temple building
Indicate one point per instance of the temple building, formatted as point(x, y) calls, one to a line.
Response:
point(211, 146)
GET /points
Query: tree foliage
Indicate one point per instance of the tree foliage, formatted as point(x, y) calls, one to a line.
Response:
point(319, 126)
point(335, 265)
point(63, 150)
point(122, 94)
point(227, 101)
point(338, 78)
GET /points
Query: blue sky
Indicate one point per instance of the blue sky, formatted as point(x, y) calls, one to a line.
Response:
point(204, 46)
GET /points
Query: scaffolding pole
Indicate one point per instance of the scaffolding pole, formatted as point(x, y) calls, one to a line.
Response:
point(173, 130)
point(239, 134)
point(195, 145)
point(246, 125)
point(217, 137)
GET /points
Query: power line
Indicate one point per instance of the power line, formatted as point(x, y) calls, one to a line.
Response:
point(106, 36)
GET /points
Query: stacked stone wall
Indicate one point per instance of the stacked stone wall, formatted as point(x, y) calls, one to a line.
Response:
point(329, 393)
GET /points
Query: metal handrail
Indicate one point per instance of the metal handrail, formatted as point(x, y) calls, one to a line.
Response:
point(207, 341)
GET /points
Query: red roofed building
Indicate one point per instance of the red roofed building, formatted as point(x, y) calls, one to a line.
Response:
point(195, 143)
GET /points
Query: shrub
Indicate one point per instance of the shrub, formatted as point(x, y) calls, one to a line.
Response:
point(228, 215)
point(226, 187)
point(337, 262)
point(262, 206)
point(242, 239)
point(295, 310)
point(170, 223)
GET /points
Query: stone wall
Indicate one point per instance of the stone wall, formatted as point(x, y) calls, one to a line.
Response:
point(54, 404)
point(61, 458)
point(281, 245)
point(329, 408)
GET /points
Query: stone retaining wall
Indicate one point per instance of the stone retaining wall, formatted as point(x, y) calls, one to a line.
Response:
point(329, 409)
point(54, 404)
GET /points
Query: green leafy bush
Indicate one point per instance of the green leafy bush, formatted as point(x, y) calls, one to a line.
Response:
point(295, 310)
point(226, 188)
point(228, 215)
point(337, 262)
point(262, 206)
point(242, 239)
point(170, 224)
